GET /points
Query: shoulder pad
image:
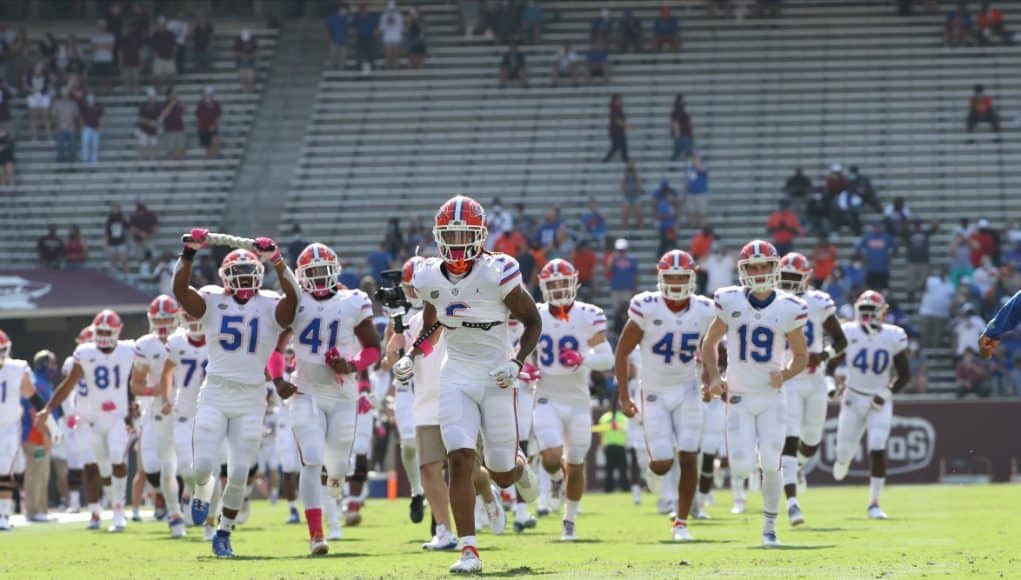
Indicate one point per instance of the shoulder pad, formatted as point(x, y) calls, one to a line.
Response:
point(212, 290)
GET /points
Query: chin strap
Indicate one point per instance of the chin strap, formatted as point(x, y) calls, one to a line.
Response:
point(600, 357)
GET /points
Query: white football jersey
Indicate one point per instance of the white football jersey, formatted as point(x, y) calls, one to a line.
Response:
point(190, 362)
point(670, 340)
point(756, 343)
point(11, 375)
point(471, 309)
point(869, 356)
point(106, 376)
point(77, 396)
point(820, 308)
point(426, 379)
point(583, 322)
point(321, 325)
point(240, 337)
point(152, 352)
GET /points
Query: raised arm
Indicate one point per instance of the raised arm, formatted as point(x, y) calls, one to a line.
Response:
point(189, 298)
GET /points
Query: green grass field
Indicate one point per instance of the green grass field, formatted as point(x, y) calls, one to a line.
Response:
point(933, 531)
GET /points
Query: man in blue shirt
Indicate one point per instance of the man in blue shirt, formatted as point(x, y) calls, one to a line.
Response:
point(697, 192)
point(622, 272)
point(34, 445)
point(365, 24)
point(548, 230)
point(594, 224)
point(379, 260)
point(337, 24)
point(666, 216)
point(1005, 320)
point(876, 250)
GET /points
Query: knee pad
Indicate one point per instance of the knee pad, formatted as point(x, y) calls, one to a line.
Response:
point(153, 479)
point(790, 446)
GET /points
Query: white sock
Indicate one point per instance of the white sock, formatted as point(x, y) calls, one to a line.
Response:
point(571, 510)
point(772, 489)
point(75, 500)
point(330, 509)
point(409, 458)
point(118, 488)
point(737, 488)
point(204, 491)
point(469, 541)
point(292, 505)
point(310, 487)
point(789, 468)
point(5, 507)
point(95, 508)
point(876, 487)
point(215, 496)
point(108, 493)
point(792, 501)
point(768, 522)
point(226, 524)
point(168, 482)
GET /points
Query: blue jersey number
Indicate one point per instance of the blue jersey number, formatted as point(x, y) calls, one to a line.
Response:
point(761, 339)
point(189, 373)
point(83, 388)
point(102, 377)
point(809, 333)
point(685, 350)
point(546, 353)
point(880, 361)
point(3, 392)
point(231, 335)
point(310, 337)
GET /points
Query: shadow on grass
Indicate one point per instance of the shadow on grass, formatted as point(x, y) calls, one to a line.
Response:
point(671, 542)
point(519, 571)
point(803, 529)
point(794, 547)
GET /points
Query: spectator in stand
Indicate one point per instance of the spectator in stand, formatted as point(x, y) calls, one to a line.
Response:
point(584, 259)
point(798, 188)
point(632, 188)
point(207, 119)
point(876, 249)
point(498, 219)
point(50, 248)
point(144, 224)
point(861, 186)
point(180, 27)
point(417, 47)
point(295, 246)
point(958, 28)
point(565, 64)
point(824, 260)
point(696, 192)
point(527, 263)
point(202, 44)
point(246, 54)
point(719, 268)
point(618, 130)
point(533, 21)
point(666, 31)
point(393, 238)
point(93, 115)
point(103, 67)
point(509, 241)
point(512, 67)
point(391, 31)
point(147, 130)
point(981, 110)
point(700, 249)
point(845, 210)
point(115, 23)
point(593, 224)
point(991, 29)
point(919, 365)
point(838, 287)
point(172, 117)
point(601, 29)
point(76, 250)
point(665, 190)
point(6, 94)
point(547, 233)
point(836, 181)
point(365, 24)
point(629, 34)
point(984, 241)
point(960, 258)
point(140, 20)
point(681, 131)
point(6, 157)
point(129, 56)
point(622, 274)
point(597, 64)
point(784, 227)
point(967, 328)
point(1013, 257)
point(985, 278)
point(116, 235)
point(524, 222)
point(917, 244)
point(37, 89)
point(379, 260)
point(972, 374)
point(666, 218)
point(897, 216)
point(66, 120)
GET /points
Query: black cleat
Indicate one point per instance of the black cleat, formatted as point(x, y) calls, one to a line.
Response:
point(417, 509)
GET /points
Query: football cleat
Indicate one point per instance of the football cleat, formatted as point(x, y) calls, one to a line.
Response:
point(137, 517)
point(199, 510)
point(542, 511)
point(159, 513)
point(769, 540)
point(528, 483)
point(840, 470)
point(875, 513)
point(93, 522)
point(353, 512)
point(682, 534)
point(417, 509)
point(120, 522)
point(221, 545)
point(795, 516)
point(5, 524)
point(698, 509)
point(208, 532)
point(469, 563)
point(738, 507)
point(802, 482)
point(319, 547)
point(524, 523)
point(556, 494)
point(665, 505)
point(567, 532)
point(335, 533)
point(497, 517)
point(636, 494)
point(177, 527)
point(443, 540)
point(294, 518)
point(244, 513)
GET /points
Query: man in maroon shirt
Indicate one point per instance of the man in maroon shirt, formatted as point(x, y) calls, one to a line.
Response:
point(129, 55)
point(173, 126)
point(148, 125)
point(92, 115)
point(207, 116)
point(164, 50)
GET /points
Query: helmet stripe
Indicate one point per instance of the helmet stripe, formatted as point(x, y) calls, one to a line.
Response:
point(458, 202)
point(677, 259)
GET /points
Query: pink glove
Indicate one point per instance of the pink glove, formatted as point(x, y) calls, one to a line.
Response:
point(332, 355)
point(571, 358)
point(108, 406)
point(364, 405)
point(530, 373)
point(196, 239)
point(364, 386)
point(267, 249)
point(72, 421)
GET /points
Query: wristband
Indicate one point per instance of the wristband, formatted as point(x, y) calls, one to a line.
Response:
point(520, 364)
point(188, 253)
point(365, 358)
point(275, 365)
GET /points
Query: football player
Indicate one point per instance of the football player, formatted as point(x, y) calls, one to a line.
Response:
point(807, 392)
point(156, 404)
point(77, 446)
point(334, 338)
point(242, 323)
point(1006, 319)
point(15, 384)
point(573, 344)
point(756, 318)
point(470, 295)
point(105, 366)
point(710, 446)
point(668, 325)
point(874, 350)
